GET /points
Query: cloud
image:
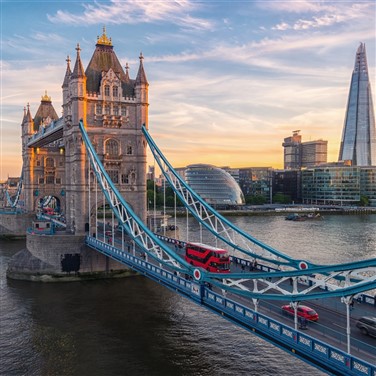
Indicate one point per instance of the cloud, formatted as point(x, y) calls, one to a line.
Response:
point(134, 12)
point(343, 12)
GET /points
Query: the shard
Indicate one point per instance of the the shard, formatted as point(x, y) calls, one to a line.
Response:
point(358, 143)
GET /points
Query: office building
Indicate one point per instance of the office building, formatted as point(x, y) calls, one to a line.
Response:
point(358, 142)
point(298, 154)
point(216, 186)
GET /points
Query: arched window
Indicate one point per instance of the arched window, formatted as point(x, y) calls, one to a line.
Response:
point(129, 150)
point(115, 91)
point(50, 162)
point(112, 148)
point(107, 90)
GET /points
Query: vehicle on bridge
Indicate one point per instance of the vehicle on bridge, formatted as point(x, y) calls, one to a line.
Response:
point(367, 325)
point(212, 259)
point(302, 311)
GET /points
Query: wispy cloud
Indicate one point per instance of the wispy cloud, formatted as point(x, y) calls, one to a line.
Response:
point(329, 15)
point(134, 12)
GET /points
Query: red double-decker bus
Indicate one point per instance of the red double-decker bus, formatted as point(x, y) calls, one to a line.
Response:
point(212, 259)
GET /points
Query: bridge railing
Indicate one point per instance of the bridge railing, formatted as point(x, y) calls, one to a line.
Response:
point(314, 351)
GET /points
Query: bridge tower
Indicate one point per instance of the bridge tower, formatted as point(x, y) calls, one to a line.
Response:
point(113, 108)
point(43, 170)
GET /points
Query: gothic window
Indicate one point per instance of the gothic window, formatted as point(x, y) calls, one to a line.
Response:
point(98, 109)
point(132, 177)
point(50, 162)
point(116, 110)
point(124, 111)
point(58, 180)
point(114, 175)
point(38, 162)
point(129, 150)
point(107, 90)
point(112, 148)
point(41, 180)
point(107, 110)
point(50, 179)
point(124, 179)
point(115, 91)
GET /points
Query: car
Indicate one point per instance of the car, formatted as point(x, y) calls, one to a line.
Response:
point(302, 311)
point(367, 325)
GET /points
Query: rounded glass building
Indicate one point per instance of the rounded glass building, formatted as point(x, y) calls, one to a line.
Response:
point(215, 185)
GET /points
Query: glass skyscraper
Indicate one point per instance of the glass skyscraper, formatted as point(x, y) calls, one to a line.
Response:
point(358, 142)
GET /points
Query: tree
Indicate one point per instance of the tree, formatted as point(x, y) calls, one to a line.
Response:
point(364, 201)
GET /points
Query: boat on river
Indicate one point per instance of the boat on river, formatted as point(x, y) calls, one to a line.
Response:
point(303, 217)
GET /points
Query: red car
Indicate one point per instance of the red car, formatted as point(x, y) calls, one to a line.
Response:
point(303, 311)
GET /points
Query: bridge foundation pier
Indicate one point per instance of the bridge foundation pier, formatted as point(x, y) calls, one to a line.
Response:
point(62, 257)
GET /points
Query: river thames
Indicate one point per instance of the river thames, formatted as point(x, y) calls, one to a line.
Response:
point(133, 326)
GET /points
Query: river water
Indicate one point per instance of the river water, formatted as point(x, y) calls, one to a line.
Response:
point(133, 326)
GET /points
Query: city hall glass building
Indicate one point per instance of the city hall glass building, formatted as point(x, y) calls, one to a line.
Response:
point(216, 186)
point(358, 143)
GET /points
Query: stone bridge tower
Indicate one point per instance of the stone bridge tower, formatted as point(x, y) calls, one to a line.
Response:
point(113, 108)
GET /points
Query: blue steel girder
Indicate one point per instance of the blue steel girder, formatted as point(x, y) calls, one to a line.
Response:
point(218, 225)
point(128, 220)
point(311, 283)
point(46, 135)
point(335, 279)
point(13, 203)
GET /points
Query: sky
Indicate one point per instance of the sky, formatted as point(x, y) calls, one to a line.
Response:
point(228, 80)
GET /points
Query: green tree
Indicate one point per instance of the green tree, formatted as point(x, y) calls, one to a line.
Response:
point(364, 201)
point(280, 198)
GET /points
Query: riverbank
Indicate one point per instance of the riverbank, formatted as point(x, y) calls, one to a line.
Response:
point(284, 211)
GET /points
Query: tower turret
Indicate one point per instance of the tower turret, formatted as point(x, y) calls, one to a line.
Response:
point(65, 88)
point(77, 89)
point(142, 93)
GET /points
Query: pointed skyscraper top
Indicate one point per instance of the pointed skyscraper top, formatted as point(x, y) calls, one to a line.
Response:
point(358, 143)
point(141, 76)
point(78, 70)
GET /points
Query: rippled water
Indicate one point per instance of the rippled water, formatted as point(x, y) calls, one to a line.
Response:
point(135, 327)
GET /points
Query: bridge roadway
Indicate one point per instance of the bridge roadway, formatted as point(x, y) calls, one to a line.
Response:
point(331, 327)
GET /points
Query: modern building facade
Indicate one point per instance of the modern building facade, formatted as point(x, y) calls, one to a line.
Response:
point(298, 154)
point(216, 186)
point(331, 186)
point(358, 143)
point(256, 181)
point(291, 151)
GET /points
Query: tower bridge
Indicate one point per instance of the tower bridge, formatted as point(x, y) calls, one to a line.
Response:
point(92, 162)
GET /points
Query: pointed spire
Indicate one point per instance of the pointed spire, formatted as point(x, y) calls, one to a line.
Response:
point(103, 39)
point(67, 73)
point(45, 97)
point(28, 114)
point(126, 72)
point(78, 70)
point(141, 76)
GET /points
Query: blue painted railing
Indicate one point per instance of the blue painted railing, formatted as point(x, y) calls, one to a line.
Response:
point(314, 351)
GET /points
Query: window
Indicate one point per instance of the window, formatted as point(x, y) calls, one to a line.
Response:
point(98, 109)
point(50, 162)
point(58, 180)
point(116, 110)
point(124, 111)
point(41, 180)
point(114, 175)
point(129, 150)
point(107, 109)
point(50, 179)
point(115, 91)
point(124, 179)
point(112, 148)
point(38, 163)
point(106, 91)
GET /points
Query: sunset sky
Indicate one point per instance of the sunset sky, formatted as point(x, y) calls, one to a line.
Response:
point(228, 79)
